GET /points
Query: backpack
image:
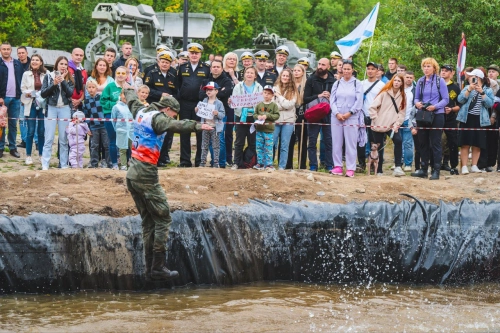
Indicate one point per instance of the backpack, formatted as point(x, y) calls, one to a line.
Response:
point(249, 159)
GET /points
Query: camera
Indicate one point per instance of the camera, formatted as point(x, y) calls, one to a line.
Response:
point(425, 106)
point(474, 80)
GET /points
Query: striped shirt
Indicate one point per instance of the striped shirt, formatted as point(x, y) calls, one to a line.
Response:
point(476, 109)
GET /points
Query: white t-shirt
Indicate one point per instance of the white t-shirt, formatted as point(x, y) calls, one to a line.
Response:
point(279, 69)
point(371, 94)
point(409, 101)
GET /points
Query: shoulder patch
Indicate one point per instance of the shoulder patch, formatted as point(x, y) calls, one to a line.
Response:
point(147, 79)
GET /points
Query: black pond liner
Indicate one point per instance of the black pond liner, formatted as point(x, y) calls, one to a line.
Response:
point(304, 241)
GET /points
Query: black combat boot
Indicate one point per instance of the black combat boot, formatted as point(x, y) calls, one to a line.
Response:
point(435, 174)
point(420, 173)
point(159, 270)
point(149, 263)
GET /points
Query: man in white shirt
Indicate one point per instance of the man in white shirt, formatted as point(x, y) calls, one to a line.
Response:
point(371, 88)
point(407, 127)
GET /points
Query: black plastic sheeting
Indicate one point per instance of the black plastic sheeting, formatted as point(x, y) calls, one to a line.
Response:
point(311, 242)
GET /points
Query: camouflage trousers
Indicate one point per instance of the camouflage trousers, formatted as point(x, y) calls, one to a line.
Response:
point(151, 202)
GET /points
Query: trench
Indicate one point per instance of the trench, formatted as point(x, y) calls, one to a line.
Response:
point(368, 242)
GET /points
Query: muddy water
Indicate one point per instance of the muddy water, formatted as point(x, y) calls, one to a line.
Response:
point(262, 307)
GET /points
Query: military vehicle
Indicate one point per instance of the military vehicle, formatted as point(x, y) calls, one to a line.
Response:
point(270, 41)
point(144, 28)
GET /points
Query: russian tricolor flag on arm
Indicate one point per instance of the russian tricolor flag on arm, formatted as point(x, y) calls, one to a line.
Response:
point(462, 52)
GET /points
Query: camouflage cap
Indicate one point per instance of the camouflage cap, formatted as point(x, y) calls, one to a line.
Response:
point(168, 102)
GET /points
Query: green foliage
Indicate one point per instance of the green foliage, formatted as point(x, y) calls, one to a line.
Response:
point(407, 29)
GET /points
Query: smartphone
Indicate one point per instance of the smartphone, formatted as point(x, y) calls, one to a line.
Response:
point(57, 73)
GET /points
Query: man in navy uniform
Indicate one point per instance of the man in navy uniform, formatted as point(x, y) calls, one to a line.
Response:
point(264, 78)
point(190, 77)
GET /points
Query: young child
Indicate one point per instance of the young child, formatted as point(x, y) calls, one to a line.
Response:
point(124, 129)
point(143, 93)
point(269, 112)
point(92, 109)
point(219, 113)
point(77, 131)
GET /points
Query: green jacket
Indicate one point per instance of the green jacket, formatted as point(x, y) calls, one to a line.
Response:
point(146, 172)
point(109, 97)
point(272, 114)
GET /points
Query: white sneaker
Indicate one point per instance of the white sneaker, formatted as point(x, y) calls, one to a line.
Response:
point(393, 167)
point(475, 169)
point(465, 170)
point(44, 168)
point(407, 168)
point(29, 161)
point(398, 172)
point(124, 168)
point(234, 167)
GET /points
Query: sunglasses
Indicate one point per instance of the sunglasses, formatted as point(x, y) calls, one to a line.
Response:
point(121, 73)
point(347, 61)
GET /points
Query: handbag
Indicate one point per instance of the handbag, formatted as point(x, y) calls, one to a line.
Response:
point(424, 117)
point(317, 110)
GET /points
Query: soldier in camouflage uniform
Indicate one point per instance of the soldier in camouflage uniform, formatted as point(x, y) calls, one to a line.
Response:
point(150, 125)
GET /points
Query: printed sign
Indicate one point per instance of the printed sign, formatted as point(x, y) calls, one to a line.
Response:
point(246, 100)
point(205, 110)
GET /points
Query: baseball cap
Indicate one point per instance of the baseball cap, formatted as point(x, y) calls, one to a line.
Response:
point(269, 87)
point(335, 55)
point(447, 67)
point(371, 63)
point(168, 102)
point(211, 85)
point(195, 47)
point(476, 72)
point(380, 67)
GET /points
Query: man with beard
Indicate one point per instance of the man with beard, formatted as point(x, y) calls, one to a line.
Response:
point(319, 85)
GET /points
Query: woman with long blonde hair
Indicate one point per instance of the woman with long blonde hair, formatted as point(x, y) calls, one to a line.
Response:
point(300, 134)
point(285, 96)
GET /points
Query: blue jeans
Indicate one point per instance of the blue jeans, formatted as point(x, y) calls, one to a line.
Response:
point(23, 125)
point(13, 105)
point(282, 133)
point(112, 139)
point(50, 132)
point(407, 144)
point(222, 147)
point(35, 125)
point(322, 147)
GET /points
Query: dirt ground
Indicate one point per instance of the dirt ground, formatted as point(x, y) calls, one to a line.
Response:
point(27, 189)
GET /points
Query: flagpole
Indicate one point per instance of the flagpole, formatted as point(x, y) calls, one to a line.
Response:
point(369, 52)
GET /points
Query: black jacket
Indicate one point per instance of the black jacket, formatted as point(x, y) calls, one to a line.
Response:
point(159, 84)
point(50, 91)
point(316, 85)
point(26, 65)
point(225, 88)
point(268, 79)
point(190, 82)
point(4, 75)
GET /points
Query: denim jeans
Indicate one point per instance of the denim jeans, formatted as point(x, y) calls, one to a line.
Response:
point(13, 105)
point(283, 133)
point(222, 147)
point(50, 131)
point(113, 153)
point(23, 125)
point(408, 145)
point(33, 126)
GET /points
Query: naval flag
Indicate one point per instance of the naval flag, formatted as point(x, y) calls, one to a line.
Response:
point(351, 43)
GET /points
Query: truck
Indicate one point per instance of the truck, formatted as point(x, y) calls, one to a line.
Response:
point(144, 28)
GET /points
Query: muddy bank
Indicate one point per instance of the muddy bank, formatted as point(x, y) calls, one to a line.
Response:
point(306, 241)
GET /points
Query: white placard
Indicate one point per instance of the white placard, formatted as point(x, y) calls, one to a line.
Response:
point(246, 100)
point(259, 122)
point(205, 110)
